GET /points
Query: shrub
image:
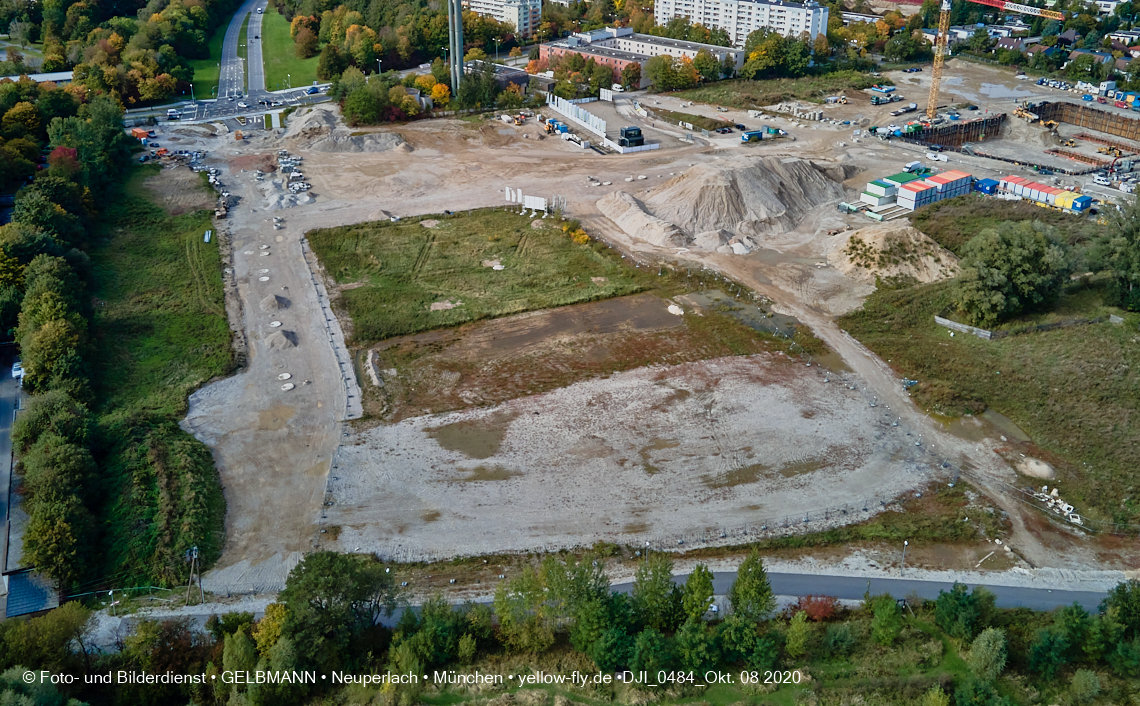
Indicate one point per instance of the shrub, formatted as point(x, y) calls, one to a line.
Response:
point(818, 608)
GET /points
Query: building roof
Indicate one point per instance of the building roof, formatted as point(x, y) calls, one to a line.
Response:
point(1104, 57)
point(55, 77)
point(1069, 35)
point(603, 51)
point(1014, 43)
point(29, 592)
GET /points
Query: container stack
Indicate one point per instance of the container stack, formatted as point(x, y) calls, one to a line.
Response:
point(917, 194)
point(1045, 195)
point(879, 192)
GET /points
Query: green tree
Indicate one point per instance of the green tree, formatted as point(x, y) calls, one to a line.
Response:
point(962, 614)
point(331, 598)
point(1008, 270)
point(467, 649)
point(1075, 624)
point(612, 650)
point(1125, 598)
point(1121, 250)
point(904, 47)
point(696, 646)
point(707, 65)
point(973, 692)
point(737, 638)
point(1048, 652)
point(698, 592)
point(525, 615)
point(58, 539)
point(751, 593)
point(652, 652)
point(886, 621)
point(17, 691)
point(987, 655)
point(654, 597)
point(935, 697)
point(799, 635)
point(331, 62)
point(51, 413)
point(361, 107)
point(1085, 686)
point(838, 639)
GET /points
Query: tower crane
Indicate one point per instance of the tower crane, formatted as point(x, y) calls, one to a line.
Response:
point(944, 31)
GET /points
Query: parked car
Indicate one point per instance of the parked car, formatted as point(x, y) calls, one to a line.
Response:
point(313, 90)
point(741, 127)
point(18, 370)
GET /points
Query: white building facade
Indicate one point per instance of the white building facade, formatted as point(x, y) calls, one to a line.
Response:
point(525, 15)
point(742, 17)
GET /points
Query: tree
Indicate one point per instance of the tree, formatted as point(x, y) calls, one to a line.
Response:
point(1008, 270)
point(331, 63)
point(21, 119)
point(651, 652)
point(330, 598)
point(1125, 599)
point(886, 621)
point(306, 43)
point(631, 75)
point(1085, 686)
point(707, 65)
point(737, 638)
point(987, 655)
point(962, 614)
point(441, 72)
point(525, 614)
point(1047, 654)
point(799, 635)
point(654, 598)
point(515, 52)
point(696, 646)
point(903, 47)
point(935, 697)
point(361, 108)
point(698, 592)
point(1121, 250)
point(838, 639)
point(751, 593)
point(57, 539)
point(269, 628)
point(475, 54)
point(440, 95)
point(972, 692)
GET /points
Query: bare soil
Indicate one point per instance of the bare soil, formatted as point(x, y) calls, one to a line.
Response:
point(179, 191)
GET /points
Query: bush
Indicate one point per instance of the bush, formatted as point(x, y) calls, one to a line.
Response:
point(818, 608)
point(838, 639)
point(987, 655)
point(1085, 686)
point(887, 621)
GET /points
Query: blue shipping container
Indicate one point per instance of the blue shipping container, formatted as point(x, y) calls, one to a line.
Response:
point(986, 186)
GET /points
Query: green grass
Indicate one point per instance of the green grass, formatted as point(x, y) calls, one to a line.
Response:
point(953, 222)
point(743, 93)
point(697, 121)
point(161, 332)
point(282, 65)
point(404, 267)
point(206, 71)
point(243, 39)
point(1072, 390)
point(162, 313)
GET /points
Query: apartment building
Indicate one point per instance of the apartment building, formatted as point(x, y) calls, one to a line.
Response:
point(743, 17)
point(525, 15)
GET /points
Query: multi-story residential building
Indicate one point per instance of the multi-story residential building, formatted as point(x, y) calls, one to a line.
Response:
point(743, 17)
point(619, 47)
point(525, 15)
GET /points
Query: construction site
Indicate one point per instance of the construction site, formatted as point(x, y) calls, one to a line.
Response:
point(723, 404)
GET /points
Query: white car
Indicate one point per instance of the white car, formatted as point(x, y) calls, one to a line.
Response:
point(242, 105)
point(18, 370)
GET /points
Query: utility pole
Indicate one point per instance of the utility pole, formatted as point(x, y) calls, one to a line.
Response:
point(905, 544)
point(191, 556)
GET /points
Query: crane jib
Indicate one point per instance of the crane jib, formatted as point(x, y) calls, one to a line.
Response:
point(1022, 9)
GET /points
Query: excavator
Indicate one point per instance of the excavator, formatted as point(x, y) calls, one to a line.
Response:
point(1111, 151)
point(943, 36)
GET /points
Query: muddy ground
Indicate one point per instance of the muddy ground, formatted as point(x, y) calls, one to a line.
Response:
point(550, 482)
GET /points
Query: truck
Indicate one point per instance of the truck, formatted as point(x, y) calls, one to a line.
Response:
point(880, 100)
point(912, 167)
point(910, 108)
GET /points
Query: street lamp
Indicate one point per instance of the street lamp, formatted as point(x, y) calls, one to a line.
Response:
point(192, 92)
point(290, 80)
point(498, 40)
point(905, 544)
point(378, 67)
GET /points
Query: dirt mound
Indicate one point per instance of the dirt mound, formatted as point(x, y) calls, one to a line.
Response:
point(281, 340)
point(250, 162)
point(274, 303)
point(319, 129)
point(891, 250)
point(731, 204)
point(630, 215)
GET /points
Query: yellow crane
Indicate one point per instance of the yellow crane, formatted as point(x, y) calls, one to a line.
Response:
point(944, 31)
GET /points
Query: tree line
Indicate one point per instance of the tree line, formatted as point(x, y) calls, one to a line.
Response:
point(328, 619)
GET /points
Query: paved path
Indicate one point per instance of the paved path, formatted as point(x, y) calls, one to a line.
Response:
point(9, 391)
point(255, 68)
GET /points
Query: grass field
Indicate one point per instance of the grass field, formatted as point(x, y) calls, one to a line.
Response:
point(400, 269)
point(161, 332)
point(697, 121)
point(282, 65)
point(754, 94)
point(1073, 390)
point(953, 222)
point(162, 314)
point(206, 71)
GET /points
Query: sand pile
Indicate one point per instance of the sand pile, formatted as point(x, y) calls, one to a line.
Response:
point(281, 340)
point(890, 250)
point(728, 207)
point(274, 303)
point(319, 129)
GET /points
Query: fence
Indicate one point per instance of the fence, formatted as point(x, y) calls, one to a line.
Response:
point(1032, 328)
point(572, 112)
point(627, 150)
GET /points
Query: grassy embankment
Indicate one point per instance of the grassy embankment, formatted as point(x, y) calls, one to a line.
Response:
point(206, 71)
point(162, 332)
point(282, 65)
point(754, 94)
point(1073, 390)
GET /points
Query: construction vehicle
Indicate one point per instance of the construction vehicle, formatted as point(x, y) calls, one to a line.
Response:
point(1025, 114)
point(1110, 151)
point(1050, 124)
point(1070, 143)
point(519, 119)
point(944, 32)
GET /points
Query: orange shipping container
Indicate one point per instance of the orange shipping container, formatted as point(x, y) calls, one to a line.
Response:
point(138, 132)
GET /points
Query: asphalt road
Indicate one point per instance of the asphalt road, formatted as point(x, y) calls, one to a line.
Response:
point(9, 391)
point(255, 68)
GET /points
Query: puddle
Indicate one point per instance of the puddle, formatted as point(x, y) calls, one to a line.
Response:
point(988, 425)
point(275, 418)
point(832, 362)
point(635, 527)
point(655, 445)
point(798, 469)
point(488, 473)
point(430, 515)
point(1000, 90)
point(740, 476)
point(750, 315)
point(477, 438)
